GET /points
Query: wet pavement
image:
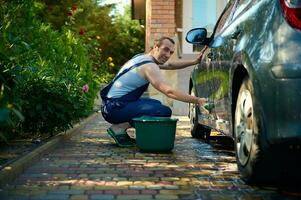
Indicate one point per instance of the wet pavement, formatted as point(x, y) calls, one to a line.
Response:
point(91, 166)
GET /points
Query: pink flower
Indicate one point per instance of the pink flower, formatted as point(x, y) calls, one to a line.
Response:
point(74, 7)
point(82, 31)
point(85, 88)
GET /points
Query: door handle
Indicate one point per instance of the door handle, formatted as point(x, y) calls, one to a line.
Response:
point(236, 33)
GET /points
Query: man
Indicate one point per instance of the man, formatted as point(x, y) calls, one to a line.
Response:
point(121, 98)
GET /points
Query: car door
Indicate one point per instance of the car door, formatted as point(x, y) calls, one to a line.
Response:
point(224, 42)
point(200, 86)
point(206, 79)
point(217, 74)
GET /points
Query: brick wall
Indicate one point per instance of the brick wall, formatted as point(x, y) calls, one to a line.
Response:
point(160, 20)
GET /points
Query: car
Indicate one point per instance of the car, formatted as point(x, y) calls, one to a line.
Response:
point(251, 75)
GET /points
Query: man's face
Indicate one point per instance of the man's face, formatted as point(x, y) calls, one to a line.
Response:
point(162, 53)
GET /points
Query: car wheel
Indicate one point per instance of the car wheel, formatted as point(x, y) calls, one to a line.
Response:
point(251, 159)
point(197, 130)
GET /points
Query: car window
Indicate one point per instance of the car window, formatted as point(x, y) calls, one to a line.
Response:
point(241, 6)
point(232, 10)
point(223, 20)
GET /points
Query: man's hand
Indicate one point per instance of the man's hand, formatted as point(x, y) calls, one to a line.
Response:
point(200, 56)
point(201, 103)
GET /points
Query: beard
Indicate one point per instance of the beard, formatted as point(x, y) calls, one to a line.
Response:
point(162, 60)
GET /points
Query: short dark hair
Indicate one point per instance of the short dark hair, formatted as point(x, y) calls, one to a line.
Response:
point(159, 41)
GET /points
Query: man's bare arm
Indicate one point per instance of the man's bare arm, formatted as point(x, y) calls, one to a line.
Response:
point(178, 65)
point(183, 64)
point(153, 75)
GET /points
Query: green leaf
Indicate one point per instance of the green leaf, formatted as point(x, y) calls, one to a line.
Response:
point(39, 107)
point(19, 114)
point(3, 138)
point(27, 46)
point(4, 114)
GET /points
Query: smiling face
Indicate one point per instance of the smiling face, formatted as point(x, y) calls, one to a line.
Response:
point(162, 52)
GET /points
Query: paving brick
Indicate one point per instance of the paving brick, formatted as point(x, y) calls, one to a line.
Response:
point(124, 183)
point(36, 192)
point(64, 187)
point(131, 192)
point(134, 197)
point(177, 192)
point(170, 178)
point(171, 187)
point(154, 187)
point(166, 196)
point(120, 179)
point(81, 187)
point(137, 187)
point(142, 183)
point(109, 187)
point(101, 197)
point(50, 197)
point(149, 191)
point(112, 192)
point(94, 192)
point(79, 197)
point(67, 192)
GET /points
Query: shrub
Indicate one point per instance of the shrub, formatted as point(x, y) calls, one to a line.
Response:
point(42, 73)
point(10, 115)
point(50, 106)
point(44, 64)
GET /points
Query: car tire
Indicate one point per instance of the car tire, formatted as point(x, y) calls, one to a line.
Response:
point(196, 129)
point(253, 163)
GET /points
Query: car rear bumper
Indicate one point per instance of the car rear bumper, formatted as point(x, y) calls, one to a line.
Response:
point(280, 98)
point(287, 71)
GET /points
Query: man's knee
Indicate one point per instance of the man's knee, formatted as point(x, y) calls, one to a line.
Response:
point(163, 111)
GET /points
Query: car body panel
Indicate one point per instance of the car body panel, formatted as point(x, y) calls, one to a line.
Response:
point(202, 84)
point(257, 40)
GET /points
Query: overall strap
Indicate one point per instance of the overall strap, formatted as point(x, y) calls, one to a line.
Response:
point(133, 66)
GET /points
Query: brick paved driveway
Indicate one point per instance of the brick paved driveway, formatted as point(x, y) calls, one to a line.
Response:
point(91, 166)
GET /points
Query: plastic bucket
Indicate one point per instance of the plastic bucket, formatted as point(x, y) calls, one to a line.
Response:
point(155, 134)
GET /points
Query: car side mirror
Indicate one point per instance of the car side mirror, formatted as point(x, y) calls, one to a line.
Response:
point(216, 42)
point(197, 36)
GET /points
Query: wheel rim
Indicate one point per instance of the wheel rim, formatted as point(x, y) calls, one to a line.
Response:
point(244, 126)
point(192, 112)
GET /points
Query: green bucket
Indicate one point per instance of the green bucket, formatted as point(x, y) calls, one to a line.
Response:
point(155, 134)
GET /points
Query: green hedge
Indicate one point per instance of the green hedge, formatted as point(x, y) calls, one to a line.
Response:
point(42, 73)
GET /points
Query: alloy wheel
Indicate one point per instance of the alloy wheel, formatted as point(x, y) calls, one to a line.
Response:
point(244, 126)
point(192, 111)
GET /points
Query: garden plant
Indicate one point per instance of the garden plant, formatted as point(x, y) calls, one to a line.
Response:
point(54, 57)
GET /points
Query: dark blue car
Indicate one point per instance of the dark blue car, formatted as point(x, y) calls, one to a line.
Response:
point(252, 76)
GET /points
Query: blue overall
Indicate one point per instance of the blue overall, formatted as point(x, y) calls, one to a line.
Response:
point(129, 106)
